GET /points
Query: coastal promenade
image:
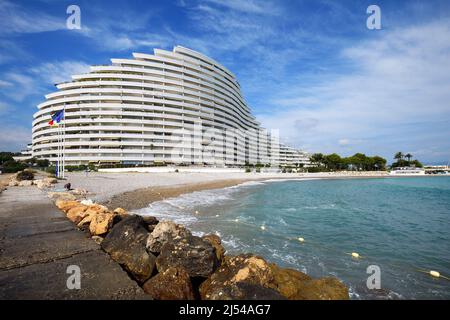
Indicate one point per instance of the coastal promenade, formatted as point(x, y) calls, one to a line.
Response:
point(37, 245)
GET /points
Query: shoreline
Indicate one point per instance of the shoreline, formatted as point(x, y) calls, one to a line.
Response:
point(140, 189)
point(141, 198)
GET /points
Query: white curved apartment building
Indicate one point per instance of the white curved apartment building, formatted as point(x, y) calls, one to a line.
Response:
point(170, 107)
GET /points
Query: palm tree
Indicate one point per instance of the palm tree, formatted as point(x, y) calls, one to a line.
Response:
point(399, 156)
point(408, 156)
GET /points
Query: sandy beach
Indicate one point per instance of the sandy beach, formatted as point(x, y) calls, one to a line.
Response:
point(136, 190)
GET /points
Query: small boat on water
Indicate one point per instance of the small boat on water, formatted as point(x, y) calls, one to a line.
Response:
point(407, 171)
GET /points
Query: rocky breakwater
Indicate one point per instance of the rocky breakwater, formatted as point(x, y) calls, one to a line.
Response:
point(26, 178)
point(170, 263)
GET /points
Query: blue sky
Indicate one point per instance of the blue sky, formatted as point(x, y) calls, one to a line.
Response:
point(309, 68)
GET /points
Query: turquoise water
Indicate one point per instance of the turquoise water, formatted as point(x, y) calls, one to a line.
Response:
point(398, 224)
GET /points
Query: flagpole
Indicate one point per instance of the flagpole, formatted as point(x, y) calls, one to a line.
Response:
point(64, 142)
point(57, 154)
point(61, 139)
point(59, 151)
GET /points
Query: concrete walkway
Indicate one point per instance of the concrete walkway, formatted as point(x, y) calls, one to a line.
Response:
point(38, 243)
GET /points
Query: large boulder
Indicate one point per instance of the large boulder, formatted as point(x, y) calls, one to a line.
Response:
point(151, 222)
point(296, 285)
point(77, 213)
point(164, 232)
point(25, 183)
point(50, 180)
point(101, 223)
point(79, 192)
point(215, 241)
point(287, 281)
point(125, 243)
point(42, 184)
point(241, 291)
point(321, 289)
point(106, 219)
point(87, 202)
point(66, 205)
point(121, 212)
point(193, 254)
point(89, 214)
point(13, 183)
point(234, 270)
point(172, 284)
point(61, 196)
point(98, 208)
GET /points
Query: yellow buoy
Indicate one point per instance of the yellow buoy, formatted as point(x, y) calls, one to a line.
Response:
point(301, 239)
point(435, 274)
point(196, 212)
point(355, 255)
point(236, 220)
point(263, 228)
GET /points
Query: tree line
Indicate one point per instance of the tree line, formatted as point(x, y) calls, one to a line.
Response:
point(358, 161)
point(9, 165)
point(405, 160)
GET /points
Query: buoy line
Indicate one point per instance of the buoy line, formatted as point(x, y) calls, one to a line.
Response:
point(355, 255)
point(434, 274)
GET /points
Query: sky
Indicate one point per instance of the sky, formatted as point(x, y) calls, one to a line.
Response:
point(310, 68)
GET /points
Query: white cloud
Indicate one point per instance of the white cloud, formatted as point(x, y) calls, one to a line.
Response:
point(4, 84)
point(396, 97)
point(55, 72)
point(344, 142)
point(18, 19)
point(10, 51)
point(19, 85)
point(248, 6)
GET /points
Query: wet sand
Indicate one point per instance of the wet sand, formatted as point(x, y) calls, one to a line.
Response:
point(141, 198)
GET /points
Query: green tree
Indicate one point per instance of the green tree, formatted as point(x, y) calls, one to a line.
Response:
point(12, 166)
point(408, 156)
point(416, 163)
point(379, 163)
point(43, 163)
point(399, 155)
point(6, 156)
point(333, 161)
point(317, 158)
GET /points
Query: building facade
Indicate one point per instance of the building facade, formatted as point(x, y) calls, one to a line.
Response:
point(173, 107)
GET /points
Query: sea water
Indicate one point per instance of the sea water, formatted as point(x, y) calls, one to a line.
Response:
point(401, 225)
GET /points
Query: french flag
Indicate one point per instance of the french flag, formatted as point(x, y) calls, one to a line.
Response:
point(56, 117)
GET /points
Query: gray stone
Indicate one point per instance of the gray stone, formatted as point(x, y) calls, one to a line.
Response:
point(193, 254)
point(125, 243)
point(164, 232)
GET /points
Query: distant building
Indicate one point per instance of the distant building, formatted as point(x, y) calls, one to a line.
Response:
point(25, 154)
point(173, 107)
